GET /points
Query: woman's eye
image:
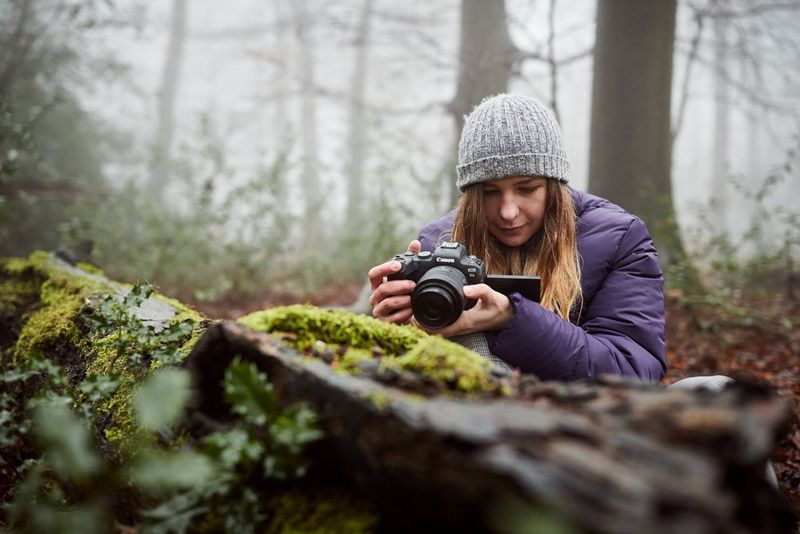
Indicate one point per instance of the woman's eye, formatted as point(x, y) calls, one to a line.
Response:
point(490, 192)
point(528, 190)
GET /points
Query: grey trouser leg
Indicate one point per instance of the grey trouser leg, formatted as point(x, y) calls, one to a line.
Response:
point(717, 383)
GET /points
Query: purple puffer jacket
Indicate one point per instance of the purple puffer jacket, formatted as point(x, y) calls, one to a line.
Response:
point(621, 327)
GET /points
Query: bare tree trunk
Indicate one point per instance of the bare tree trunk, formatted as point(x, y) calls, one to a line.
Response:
point(170, 79)
point(358, 125)
point(551, 58)
point(721, 169)
point(281, 81)
point(631, 145)
point(308, 123)
point(15, 56)
point(485, 59)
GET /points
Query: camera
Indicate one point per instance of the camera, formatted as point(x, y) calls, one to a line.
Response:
point(438, 298)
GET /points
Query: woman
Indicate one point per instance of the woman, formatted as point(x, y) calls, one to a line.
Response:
point(602, 305)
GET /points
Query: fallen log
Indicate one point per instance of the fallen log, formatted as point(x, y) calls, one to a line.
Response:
point(597, 457)
point(426, 432)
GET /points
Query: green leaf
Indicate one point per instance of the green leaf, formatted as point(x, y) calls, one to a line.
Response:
point(66, 441)
point(248, 392)
point(161, 399)
point(97, 387)
point(161, 471)
point(176, 332)
point(43, 365)
point(174, 515)
point(138, 294)
point(17, 375)
point(295, 427)
point(234, 448)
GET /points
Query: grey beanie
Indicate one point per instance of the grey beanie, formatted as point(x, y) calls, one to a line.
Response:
point(510, 135)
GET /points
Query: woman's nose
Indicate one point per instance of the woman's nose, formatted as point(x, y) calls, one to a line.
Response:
point(509, 209)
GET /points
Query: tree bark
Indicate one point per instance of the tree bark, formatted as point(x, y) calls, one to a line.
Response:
point(170, 80)
point(312, 196)
point(722, 110)
point(484, 65)
point(357, 138)
point(610, 457)
point(630, 155)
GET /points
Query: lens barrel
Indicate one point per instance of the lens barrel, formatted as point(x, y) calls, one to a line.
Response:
point(438, 298)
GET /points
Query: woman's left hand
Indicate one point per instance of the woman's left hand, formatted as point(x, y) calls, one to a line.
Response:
point(492, 311)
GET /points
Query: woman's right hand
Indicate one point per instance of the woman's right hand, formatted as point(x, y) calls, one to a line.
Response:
point(391, 300)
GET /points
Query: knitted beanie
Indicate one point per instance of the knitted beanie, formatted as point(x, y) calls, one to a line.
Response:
point(510, 135)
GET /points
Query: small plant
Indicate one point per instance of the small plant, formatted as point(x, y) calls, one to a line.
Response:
point(66, 479)
point(115, 319)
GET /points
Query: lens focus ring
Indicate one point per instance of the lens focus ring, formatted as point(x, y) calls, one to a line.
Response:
point(438, 298)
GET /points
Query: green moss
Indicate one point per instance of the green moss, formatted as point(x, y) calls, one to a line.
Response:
point(55, 327)
point(406, 348)
point(52, 328)
point(352, 357)
point(448, 364)
point(309, 323)
point(90, 268)
point(378, 399)
point(319, 512)
point(15, 293)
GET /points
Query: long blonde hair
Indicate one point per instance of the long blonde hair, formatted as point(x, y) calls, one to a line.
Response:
point(554, 256)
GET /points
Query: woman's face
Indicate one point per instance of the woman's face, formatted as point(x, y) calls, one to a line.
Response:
point(515, 208)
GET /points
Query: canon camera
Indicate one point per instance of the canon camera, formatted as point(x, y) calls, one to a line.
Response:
point(438, 298)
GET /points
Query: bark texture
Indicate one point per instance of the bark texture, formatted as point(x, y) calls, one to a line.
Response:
point(609, 457)
point(631, 145)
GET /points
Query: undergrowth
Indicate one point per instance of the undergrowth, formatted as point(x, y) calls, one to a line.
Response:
point(67, 478)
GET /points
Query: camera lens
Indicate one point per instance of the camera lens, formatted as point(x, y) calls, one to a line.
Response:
point(438, 298)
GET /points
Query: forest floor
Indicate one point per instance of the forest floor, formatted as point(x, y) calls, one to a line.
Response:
point(751, 341)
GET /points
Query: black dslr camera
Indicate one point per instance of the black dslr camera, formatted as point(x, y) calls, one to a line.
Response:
point(438, 298)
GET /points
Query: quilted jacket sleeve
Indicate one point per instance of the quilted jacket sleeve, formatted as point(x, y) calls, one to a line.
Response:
point(621, 330)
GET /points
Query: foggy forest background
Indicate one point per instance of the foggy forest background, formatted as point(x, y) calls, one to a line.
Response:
point(223, 150)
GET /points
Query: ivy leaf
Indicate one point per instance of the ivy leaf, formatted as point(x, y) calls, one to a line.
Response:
point(16, 375)
point(138, 294)
point(174, 515)
point(160, 400)
point(176, 332)
point(161, 471)
point(66, 441)
point(97, 387)
point(294, 428)
point(248, 392)
point(234, 448)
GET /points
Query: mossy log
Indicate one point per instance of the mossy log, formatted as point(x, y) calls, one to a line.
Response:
point(44, 302)
point(595, 457)
point(428, 432)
